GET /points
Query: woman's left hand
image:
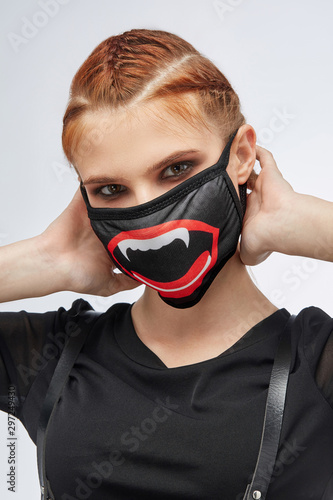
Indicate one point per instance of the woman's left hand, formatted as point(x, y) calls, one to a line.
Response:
point(278, 219)
point(270, 195)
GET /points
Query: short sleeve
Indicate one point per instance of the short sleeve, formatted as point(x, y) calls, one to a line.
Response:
point(318, 348)
point(28, 341)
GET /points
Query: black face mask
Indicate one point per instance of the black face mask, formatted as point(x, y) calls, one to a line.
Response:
point(176, 243)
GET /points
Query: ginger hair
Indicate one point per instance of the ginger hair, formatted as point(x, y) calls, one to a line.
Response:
point(138, 67)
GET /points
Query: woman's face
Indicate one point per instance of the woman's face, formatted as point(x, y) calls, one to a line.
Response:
point(126, 159)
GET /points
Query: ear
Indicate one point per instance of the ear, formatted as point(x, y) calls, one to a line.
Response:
point(243, 154)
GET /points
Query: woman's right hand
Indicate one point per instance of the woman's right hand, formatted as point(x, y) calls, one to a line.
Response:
point(66, 256)
point(72, 246)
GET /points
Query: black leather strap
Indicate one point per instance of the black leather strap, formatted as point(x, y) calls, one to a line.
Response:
point(258, 487)
point(67, 359)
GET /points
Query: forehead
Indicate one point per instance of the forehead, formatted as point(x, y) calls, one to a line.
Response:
point(138, 136)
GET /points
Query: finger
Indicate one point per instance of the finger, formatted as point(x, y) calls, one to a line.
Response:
point(266, 159)
point(252, 180)
point(264, 154)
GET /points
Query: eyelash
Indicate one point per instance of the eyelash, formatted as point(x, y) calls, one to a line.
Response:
point(188, 165)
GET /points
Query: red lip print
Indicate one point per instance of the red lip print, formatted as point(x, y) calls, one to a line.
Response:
point(153, 239)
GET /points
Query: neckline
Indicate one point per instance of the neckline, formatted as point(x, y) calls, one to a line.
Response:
point(133, 347)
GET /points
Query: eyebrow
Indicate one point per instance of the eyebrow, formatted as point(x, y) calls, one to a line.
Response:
point(156, 166)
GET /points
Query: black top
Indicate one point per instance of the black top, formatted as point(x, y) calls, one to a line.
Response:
point(128, 427)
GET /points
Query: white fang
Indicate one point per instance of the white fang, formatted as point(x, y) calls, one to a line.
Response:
point(156, 243)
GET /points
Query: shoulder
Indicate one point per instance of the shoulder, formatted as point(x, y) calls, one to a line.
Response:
point(314, 322)
point(314, 327)
point(313, 316)
point(81, 308)
point(82, 315)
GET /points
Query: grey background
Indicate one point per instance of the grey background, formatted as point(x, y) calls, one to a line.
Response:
point(277, 55)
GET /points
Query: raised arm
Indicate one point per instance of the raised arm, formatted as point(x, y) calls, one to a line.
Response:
point(279, 220)
point(67, 256)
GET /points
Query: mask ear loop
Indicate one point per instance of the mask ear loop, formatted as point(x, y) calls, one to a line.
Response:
point(242, 187)
point(242, 195)
point(85, 196)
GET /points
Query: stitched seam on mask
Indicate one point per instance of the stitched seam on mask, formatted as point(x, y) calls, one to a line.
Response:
point(160, 205)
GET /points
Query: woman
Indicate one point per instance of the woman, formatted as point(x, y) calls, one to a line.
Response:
point(167, 397)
